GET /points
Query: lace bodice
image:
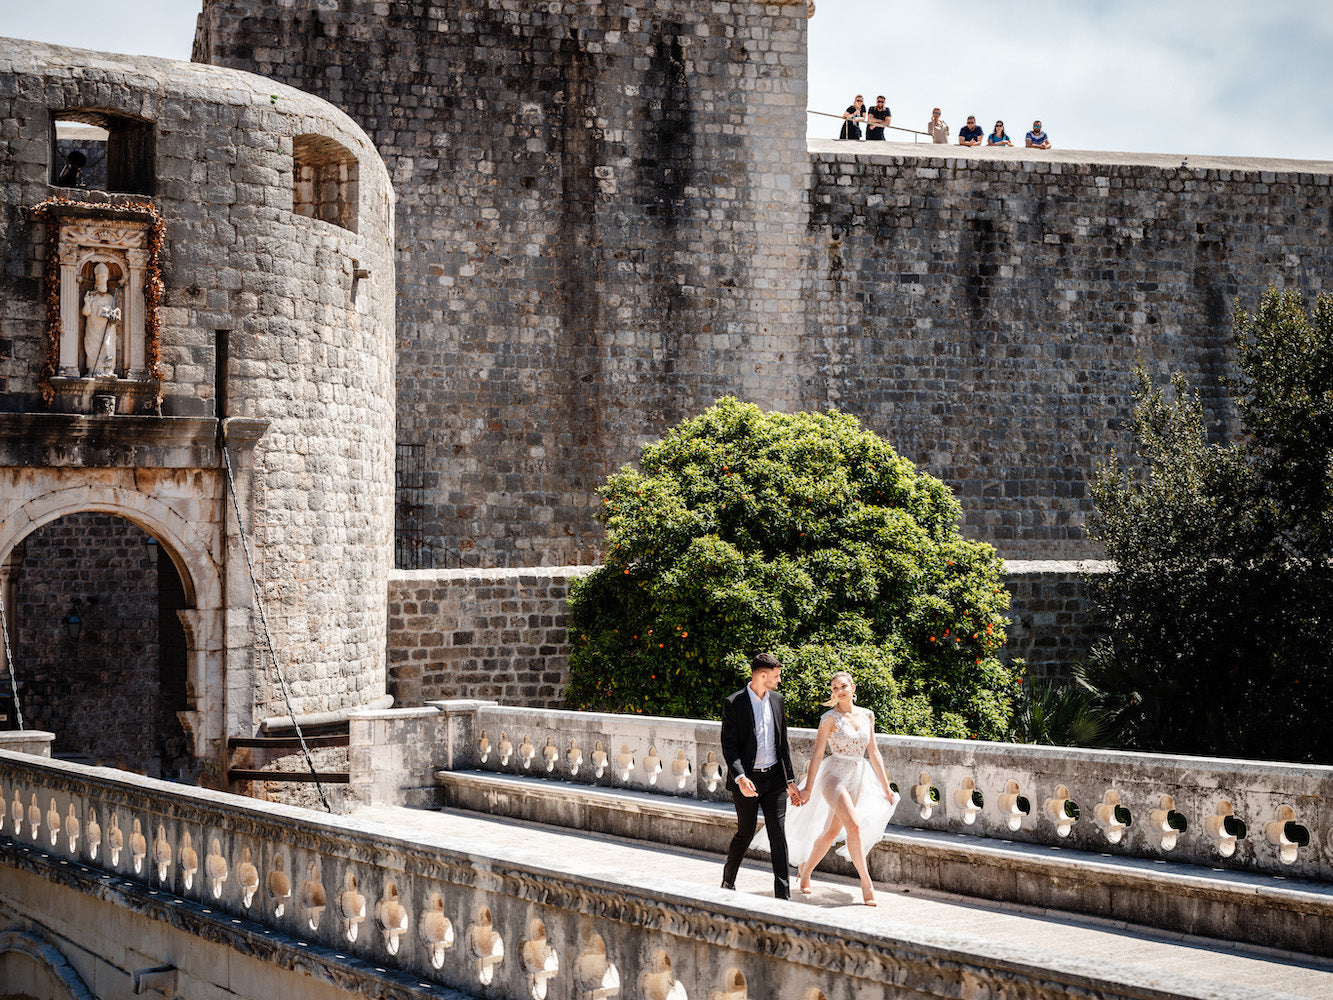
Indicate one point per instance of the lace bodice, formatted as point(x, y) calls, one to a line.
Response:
point(851, 733)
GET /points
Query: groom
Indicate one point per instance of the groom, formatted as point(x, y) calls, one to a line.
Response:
point(759, 771)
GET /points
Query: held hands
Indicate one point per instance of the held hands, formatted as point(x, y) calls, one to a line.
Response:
point(804, 797)
point(747, 787)
point(796, 796)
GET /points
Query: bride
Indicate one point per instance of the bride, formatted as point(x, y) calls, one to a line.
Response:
point(850, 795)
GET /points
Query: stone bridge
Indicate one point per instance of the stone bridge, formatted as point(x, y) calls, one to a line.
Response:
point(519, 853)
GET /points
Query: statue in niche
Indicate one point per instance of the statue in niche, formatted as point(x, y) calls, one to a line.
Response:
point(101, 323)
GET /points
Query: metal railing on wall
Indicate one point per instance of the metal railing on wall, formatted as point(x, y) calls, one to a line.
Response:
point(861, 122)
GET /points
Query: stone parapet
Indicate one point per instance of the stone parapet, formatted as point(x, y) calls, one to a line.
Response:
point(1245, 816)
point(353, 904)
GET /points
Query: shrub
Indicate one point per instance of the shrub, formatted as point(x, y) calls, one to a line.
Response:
point(1221, 601)
point(799, 534)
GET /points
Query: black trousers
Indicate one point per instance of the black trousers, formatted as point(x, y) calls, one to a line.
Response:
point(772, 799)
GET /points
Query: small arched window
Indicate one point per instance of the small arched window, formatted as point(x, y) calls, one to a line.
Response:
point(325, 181)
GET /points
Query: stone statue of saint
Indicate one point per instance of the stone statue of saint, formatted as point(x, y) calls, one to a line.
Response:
point(99, 331)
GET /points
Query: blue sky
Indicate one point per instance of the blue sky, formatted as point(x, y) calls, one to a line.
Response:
point(1174, 76)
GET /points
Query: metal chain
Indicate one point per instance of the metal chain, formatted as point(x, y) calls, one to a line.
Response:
point(263, 618)
point(9, 662)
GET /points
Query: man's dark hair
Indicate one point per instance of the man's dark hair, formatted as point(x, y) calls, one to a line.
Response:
point(764, 661)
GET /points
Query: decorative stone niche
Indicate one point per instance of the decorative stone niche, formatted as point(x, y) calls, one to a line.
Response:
point(104, 289)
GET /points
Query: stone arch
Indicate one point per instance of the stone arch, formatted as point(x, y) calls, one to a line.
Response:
point(184, 541)
point(190, 545)
point(33, 967)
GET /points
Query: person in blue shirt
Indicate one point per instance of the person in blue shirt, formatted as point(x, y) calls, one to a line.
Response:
point(970, 134)
point(999, 137)
point(1037, 139)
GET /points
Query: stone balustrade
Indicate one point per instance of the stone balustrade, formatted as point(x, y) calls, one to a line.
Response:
point(1241, 815)
point(356, 906)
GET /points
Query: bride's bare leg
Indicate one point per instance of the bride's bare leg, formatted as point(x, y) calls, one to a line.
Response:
point(856, 849)
point(818, 850)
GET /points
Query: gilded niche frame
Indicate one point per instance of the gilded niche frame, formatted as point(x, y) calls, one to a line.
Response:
point(78, 235)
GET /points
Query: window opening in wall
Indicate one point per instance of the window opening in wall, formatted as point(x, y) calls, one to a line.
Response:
point(102, 151)
point(409, 495)
point(325, 181)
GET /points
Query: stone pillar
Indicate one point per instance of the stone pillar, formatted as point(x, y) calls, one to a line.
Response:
point(133, 329)
point(69, 311)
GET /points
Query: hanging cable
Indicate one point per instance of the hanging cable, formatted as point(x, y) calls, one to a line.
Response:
point(263, 617)
point(9, 662)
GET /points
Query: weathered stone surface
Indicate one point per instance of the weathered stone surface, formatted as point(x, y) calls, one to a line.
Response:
point(268, 316)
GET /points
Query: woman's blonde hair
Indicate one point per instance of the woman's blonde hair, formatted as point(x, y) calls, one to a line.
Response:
point(850, 679)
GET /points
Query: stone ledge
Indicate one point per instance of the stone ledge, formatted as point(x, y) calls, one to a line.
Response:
point(1235, 906)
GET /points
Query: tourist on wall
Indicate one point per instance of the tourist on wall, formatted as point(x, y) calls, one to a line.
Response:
point(970, 134)
point(1037, 138)
point(877, 118)
point(937, 127)
point(999, 137)
point(850, 796)
point(759, 771)
point(852, 117)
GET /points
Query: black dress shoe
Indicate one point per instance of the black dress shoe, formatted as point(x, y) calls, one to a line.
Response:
point(729, 885)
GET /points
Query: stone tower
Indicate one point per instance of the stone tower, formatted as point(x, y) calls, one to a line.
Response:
point(600, 216)
point(230, 265)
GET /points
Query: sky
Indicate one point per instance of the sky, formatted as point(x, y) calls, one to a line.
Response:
point(1227, 77)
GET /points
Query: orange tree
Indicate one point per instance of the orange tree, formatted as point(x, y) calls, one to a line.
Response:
point(803, 535)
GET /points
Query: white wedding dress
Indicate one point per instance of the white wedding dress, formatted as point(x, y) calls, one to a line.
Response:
point(846, 767)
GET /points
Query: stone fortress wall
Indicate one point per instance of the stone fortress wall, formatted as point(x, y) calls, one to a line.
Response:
point(985, 309)
point(601, 211)
point(610, 216)
point(277, 316)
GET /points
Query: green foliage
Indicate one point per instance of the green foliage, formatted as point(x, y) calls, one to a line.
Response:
point(1062, 714)
point(1222, 597)
point(805, 536)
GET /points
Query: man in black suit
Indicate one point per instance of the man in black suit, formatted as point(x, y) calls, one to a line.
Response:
point(759, 771)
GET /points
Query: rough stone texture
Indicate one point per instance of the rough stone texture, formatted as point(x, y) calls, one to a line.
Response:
point(501, 633)
point(986, 312)
point(1053, 622)
point(99, 693)
point(593, 202)
point(308, 350)
point(599, 223)
point(479, 634)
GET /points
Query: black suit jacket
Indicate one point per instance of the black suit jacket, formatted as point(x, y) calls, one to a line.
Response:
point(739, 745)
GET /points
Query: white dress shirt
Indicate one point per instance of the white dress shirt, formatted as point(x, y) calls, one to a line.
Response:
point(765, 730)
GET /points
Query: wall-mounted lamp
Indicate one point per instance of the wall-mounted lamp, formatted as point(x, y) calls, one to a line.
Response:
point(151, 544)
point(74, 625)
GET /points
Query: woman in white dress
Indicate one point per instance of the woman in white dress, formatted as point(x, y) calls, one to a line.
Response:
point(846, 796)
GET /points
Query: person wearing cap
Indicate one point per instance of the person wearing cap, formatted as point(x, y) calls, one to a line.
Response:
point(970, 134)
point(876, 118)
point(937, 127)
point(1038, 139)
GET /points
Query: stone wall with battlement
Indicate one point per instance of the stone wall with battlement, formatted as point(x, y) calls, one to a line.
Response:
point(609, 217)
point(984, 309)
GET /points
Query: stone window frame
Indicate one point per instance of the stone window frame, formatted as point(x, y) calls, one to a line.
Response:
point(131, 148)
point(325, 181)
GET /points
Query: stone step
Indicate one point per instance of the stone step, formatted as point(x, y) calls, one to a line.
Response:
point(1255, 909)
